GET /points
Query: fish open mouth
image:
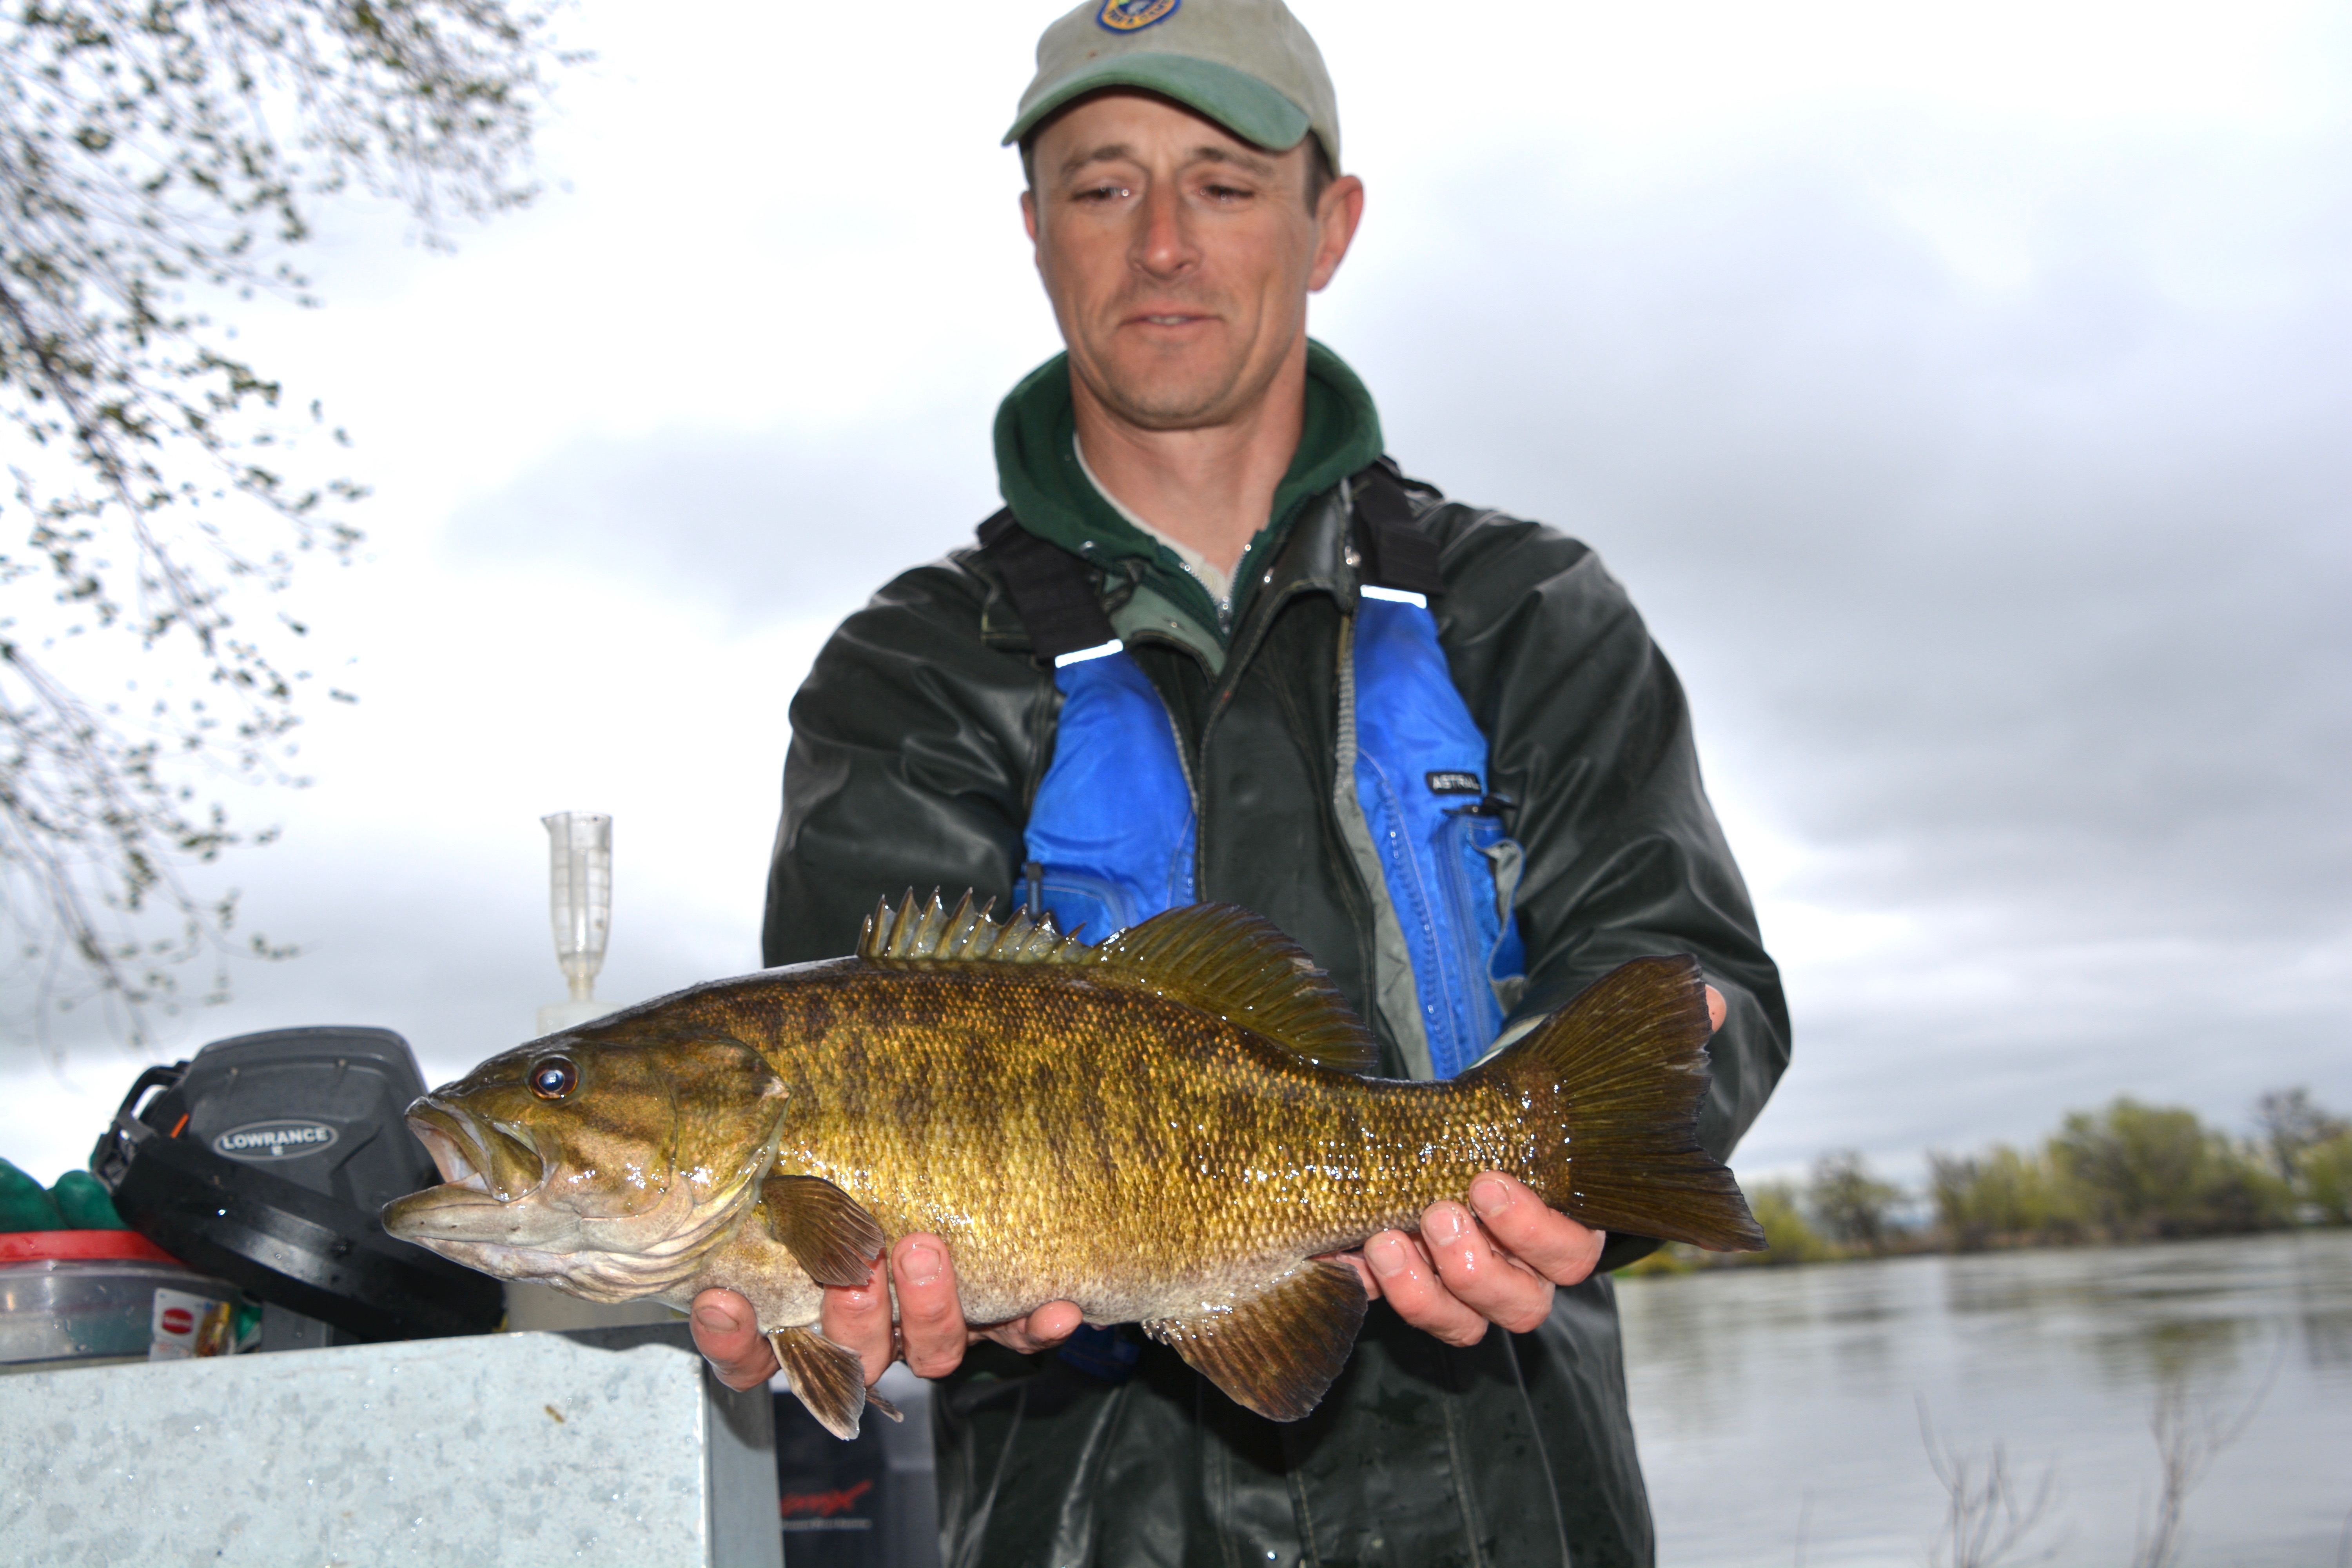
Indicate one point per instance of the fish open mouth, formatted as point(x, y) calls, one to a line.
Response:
point(502, 1161)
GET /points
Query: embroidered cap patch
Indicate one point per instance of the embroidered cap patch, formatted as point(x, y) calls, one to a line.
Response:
point(1131, 16)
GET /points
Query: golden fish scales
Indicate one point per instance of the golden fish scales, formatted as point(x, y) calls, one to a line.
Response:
point(1170, 1128)
point(1112, 1128)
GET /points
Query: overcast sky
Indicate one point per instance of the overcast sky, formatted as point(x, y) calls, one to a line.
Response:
point(1961, 392)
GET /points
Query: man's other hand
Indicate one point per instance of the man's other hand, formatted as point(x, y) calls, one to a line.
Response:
point(1462, 1271)
point(931, 1332)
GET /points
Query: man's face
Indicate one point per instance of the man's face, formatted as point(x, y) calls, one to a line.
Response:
point(1177, 257)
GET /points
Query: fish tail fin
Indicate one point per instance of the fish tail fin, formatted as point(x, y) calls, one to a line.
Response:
point(1620, 1073)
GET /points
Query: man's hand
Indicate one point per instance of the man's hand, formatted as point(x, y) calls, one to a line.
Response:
point(1502, 1265)
point(932, 1335)
point(1463, 1271)
point(727, 1333)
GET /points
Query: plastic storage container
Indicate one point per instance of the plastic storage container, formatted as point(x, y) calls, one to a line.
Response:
point(85, 1295)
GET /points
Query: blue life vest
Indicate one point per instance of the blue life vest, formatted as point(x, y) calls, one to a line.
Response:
point(1113, 829)
point(1450, 873)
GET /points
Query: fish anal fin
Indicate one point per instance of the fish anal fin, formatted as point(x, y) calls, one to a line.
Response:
point(1226, 961)
point(1276, 1351)
point(827, 1377)
point(825, 1229)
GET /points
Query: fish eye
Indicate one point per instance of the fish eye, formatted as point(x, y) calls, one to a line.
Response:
point(552, 1077)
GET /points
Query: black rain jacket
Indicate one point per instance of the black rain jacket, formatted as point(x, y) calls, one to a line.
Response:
point(919, 739)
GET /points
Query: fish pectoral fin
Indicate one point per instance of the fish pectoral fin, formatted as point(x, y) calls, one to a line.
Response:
point(824, 1228)
point(828, 1378)
point(1276, 1352)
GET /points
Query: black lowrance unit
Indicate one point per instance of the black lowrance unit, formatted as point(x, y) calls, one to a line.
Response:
point(265, 1160)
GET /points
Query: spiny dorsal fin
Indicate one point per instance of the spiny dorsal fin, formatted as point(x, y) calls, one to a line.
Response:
point(1226, 961)
point(932, 933)
point(1216, 957)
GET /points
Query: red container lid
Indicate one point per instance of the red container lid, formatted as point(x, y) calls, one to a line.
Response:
point(81, 1246)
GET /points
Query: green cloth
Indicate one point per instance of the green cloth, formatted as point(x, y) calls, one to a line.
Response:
point(24, 1203)
point(1037, 471)
point(79, 1202)
point(85, 1204)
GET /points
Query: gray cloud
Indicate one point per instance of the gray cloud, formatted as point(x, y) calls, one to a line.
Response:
point(2020, 608)
point(2100, 581)
point(454, 956)
point(760, 526)
point(2016, 607)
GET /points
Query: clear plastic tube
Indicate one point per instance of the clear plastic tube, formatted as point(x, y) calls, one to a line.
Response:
point(580, 894)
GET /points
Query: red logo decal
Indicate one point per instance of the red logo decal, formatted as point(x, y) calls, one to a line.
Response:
point(824, 1505)
point(179, 1321)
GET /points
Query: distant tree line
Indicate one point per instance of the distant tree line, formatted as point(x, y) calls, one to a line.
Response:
point(2129, 1171)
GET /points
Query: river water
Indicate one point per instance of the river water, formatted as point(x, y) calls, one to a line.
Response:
point(1780, 1409)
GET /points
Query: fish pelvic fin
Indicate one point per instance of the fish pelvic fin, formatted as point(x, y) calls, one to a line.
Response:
point(829, 1235)
point(1218, 958)
point(1275, 1351)
point(828, 1378)
point(1620, 1072)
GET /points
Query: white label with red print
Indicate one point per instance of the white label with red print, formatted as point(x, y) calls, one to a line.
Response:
point(179, 1324)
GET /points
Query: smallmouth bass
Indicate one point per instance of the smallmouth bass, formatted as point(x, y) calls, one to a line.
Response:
point(1171, 1128)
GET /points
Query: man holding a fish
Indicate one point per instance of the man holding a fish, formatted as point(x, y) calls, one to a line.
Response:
point(1218, 648)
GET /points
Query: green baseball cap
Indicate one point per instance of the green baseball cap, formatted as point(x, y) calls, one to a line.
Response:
point(1247, 64)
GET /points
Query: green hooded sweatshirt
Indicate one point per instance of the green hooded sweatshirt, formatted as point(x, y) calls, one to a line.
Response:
point(1038, 470)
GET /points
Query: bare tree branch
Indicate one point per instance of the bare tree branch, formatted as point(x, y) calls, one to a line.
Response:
point(150, 153)
point(1986, 1519)
point(2190, 1435)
